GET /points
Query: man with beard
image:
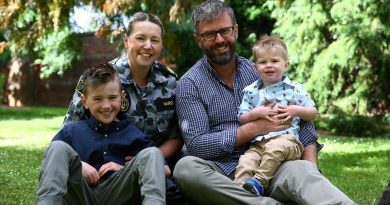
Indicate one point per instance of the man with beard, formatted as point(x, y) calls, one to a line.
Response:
point(207, 98)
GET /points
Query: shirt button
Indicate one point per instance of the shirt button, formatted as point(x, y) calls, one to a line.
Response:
point(105, 135)
point(104, 152)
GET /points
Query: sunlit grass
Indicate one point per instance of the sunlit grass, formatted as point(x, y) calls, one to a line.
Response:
point(358, 166)
point(24, 134)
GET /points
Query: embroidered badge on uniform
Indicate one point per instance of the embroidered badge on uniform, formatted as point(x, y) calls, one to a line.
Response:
point(125, 105)
point(80, 87)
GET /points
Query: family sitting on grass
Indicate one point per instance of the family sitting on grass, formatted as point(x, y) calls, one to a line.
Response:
point(123, 134)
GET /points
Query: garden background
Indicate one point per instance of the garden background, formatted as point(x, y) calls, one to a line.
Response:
point(338, 49)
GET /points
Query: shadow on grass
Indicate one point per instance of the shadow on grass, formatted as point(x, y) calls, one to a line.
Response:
point(27, 113)
point(362, 176)
point(19, 170)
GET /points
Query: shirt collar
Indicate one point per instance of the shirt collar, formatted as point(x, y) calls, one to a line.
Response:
point(285, 80)
point(113, 127)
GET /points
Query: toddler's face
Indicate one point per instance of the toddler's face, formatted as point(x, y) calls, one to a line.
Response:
point(271, 64)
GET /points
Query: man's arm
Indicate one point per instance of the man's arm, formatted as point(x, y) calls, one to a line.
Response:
point(245, 133)
point(310, 154)
point(195, 128)
point(308, 137)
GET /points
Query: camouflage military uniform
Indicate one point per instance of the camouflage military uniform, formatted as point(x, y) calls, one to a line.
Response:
point(151, 109)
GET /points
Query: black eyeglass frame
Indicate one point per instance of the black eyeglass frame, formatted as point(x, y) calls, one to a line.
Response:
point(229, 31)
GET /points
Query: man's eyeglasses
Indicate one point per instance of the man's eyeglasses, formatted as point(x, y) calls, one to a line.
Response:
point(210, 35)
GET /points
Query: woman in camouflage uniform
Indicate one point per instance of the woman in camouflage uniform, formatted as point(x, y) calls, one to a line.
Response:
point(149, 86)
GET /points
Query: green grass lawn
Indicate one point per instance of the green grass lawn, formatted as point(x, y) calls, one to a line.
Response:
point(358, 166)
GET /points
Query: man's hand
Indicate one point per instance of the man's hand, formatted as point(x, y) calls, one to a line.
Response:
point(90, 174)
point(109, 166)
point(246, 133)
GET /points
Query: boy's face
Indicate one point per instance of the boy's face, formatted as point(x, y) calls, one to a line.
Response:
point(104, 101)
point(270, 64)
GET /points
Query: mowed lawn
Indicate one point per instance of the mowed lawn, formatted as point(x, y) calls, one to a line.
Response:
point(360, 167)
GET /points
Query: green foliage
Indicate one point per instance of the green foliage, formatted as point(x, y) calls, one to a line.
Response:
point(339, 49)
point(340, 122)
point(56, 51)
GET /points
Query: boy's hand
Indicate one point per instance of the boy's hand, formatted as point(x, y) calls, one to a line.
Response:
point(90, 174)
point(265, 112)
point(287, 113)
point(109, 166)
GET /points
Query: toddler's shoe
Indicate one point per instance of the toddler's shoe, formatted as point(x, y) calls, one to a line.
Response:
point(254, 186)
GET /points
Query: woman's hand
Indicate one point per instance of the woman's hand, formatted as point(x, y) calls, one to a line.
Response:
point(167, 171)
point(90, 174)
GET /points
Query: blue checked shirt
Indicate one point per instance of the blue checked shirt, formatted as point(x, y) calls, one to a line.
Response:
point(207, 111)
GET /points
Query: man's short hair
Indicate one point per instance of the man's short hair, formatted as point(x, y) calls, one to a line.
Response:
point(209, 10)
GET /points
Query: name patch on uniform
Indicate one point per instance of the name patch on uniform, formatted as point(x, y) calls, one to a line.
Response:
point(165, 104)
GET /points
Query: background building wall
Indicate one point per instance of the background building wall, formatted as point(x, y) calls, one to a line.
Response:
point(23, 87)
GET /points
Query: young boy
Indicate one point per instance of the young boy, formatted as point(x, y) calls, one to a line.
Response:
point(273, 97)
point(85, 162)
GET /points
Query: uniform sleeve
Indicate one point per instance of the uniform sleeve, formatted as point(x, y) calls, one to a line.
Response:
point(76, 109)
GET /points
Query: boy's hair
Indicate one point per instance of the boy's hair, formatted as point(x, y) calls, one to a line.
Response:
point(267, 41)
point(142, 16)
point(98, 75)
point(209, 10)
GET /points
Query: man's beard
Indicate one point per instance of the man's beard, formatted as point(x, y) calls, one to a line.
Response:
point(217, 58)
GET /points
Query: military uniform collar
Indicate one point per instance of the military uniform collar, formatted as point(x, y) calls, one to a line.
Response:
point(122, 66)
point(115, 126)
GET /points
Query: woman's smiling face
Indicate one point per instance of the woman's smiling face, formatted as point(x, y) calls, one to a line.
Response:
point(143, 44)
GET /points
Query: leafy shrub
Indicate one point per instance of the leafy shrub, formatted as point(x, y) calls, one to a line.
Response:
point(340, 122)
